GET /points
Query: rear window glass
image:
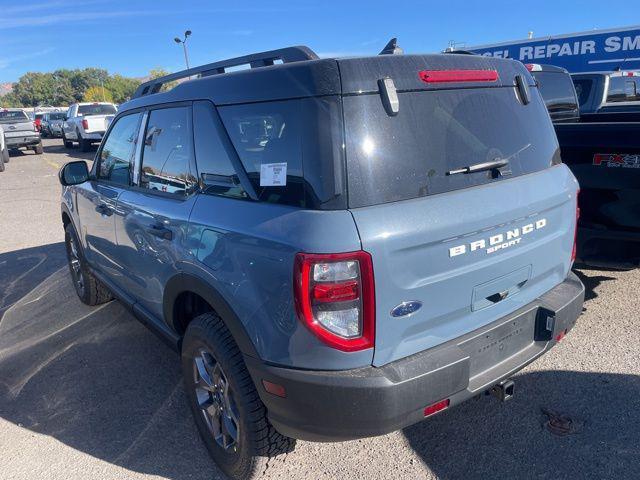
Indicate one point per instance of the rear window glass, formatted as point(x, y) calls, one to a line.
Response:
point(409, 155)
point(557, 91)
point(56, 116)
point(274, 140)
point(13, 116)
point(622, 89)
point(583, 89)
point(97, 109)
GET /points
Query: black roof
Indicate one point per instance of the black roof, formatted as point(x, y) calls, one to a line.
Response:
point(302, 74)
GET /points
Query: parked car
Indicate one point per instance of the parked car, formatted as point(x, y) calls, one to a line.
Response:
point(605, 157)
point(20, 131)
point(4, 152)
point(52, 124)
point(37, 120)
point(609, 93)
point(86, 123)
point(339, 248)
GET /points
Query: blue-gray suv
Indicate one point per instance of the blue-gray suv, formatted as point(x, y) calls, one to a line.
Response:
point(338, 248)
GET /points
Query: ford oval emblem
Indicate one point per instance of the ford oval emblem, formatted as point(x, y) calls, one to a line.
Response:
point(406, 308)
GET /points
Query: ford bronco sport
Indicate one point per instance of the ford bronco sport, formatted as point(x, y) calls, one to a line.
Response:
point(338, 248)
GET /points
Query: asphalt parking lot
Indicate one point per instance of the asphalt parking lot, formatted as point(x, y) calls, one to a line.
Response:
point(90, 393)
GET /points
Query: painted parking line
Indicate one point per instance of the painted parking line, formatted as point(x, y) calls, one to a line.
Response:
point(53, 164)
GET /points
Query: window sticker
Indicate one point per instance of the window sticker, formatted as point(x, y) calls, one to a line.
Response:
point(273, 174)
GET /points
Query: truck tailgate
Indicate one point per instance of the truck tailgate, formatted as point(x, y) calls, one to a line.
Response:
point(96, 123)
point(605, 158)
point(19, 129)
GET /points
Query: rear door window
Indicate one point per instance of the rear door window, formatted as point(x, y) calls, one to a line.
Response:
point(409, 155)
point(215, 167)
point(167, 152)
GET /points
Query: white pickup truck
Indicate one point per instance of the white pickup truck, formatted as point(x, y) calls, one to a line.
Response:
point(86, 123)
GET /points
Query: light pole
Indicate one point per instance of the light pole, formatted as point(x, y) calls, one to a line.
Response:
point(184, 46)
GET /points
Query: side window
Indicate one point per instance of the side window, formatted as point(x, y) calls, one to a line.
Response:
point(267, 138)
point(168, 151)
point(116, 156)
point(217, 173)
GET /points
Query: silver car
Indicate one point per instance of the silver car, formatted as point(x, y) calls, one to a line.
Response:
point(52, 124)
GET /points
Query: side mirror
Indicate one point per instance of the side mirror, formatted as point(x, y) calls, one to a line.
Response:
point(74, 173)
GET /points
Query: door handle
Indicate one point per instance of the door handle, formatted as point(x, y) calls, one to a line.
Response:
point(160, 232)
point(104, 209)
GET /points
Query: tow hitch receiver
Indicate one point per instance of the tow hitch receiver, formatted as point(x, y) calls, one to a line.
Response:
point(504, 390)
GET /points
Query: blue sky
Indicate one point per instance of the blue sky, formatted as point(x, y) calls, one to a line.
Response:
point(131, 37)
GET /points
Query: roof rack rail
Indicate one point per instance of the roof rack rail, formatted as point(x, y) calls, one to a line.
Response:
point(254, 60)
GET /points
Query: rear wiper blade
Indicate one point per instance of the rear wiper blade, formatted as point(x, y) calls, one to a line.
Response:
point(481, 167)
point(493, 165)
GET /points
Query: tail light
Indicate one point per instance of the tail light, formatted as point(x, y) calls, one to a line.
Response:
point(443, 76)
point(533, 67)
point(335, 298)
point(85, 124)
point(575, 233)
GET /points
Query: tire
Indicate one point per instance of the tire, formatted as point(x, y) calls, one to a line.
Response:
point(85, 145)
point(5, 155)
point(2, 162)
point(38, 148)
point(209, 348)
point(89, 289)
point(67, 143)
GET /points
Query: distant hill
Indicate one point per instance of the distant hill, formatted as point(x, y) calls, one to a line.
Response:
point(5, 88)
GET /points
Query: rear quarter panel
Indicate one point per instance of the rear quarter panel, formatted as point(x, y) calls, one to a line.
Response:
point(246, 251)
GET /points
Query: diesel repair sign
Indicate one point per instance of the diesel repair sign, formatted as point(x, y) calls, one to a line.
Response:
point(596, 50)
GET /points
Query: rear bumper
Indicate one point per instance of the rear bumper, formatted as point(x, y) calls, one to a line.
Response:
point(369, 401)
point(93, 136)
point(22, 141)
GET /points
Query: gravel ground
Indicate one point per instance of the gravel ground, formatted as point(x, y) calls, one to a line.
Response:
point(90, 393)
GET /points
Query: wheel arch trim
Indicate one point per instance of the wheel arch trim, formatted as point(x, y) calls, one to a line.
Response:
point(188, 282)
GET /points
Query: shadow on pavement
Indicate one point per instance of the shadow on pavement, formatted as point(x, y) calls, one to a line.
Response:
point(483, 439)
point(98, 381)
point(95, 379)
point(73, 153)
point(22, 270)
point(591, 283)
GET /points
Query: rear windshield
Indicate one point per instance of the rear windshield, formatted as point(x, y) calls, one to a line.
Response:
point(96, 109)
point(13, 116)
point(557, 91)
point(56, 116)
point(392, 158)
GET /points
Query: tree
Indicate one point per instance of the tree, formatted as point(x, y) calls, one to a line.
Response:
point(97, 94)
point(161, 72)
point(9, 100)
point(121, 88)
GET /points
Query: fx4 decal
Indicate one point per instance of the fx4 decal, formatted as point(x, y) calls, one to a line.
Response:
point(617, 160)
